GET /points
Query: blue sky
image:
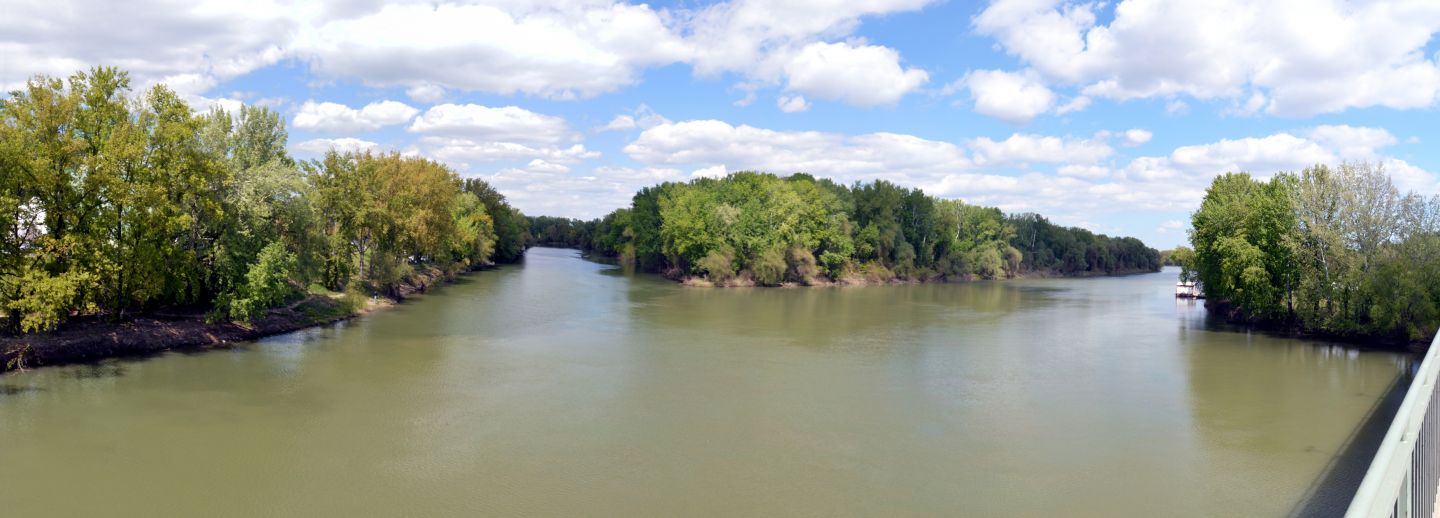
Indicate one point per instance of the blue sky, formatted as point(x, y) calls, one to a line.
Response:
point(1111, 115)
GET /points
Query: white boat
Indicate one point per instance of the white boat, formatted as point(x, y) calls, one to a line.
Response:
point(1188, 290)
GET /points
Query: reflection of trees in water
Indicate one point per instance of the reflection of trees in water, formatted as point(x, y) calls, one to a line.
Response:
point(1258, 402)
point(818, 315)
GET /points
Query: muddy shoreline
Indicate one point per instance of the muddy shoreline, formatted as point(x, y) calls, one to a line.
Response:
point(93, 338)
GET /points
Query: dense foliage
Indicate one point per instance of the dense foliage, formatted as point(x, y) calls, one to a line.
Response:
point(1334, 250)
point(116, 203)
point(763, 229)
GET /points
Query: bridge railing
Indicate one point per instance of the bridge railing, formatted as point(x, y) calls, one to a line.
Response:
point(1403, 478)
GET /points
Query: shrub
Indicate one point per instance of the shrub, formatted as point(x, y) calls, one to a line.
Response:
point(718, 265)
point(267, 284)
point(769, 267)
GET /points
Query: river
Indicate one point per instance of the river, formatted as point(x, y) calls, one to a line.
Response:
point(562, 387)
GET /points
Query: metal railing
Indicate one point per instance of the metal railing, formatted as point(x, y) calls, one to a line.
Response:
point(1403, 478)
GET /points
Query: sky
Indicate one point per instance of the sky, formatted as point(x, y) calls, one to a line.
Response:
point(1113, 116)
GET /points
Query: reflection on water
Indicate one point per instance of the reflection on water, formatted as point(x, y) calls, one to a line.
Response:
point(564, 387)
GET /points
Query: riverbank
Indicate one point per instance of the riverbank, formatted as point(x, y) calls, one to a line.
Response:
point(877, 279)
point(94, 338)
point(1231, 315)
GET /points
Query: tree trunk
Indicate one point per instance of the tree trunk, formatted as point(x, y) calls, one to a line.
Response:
point(12, 322)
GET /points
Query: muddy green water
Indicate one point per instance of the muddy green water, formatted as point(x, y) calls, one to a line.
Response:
point(564, 388)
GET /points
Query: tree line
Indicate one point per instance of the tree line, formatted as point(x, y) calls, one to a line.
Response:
point(1332, 250)
point(758, 228)
point(116, 203)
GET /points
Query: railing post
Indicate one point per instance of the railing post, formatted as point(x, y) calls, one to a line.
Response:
point(1402, 501)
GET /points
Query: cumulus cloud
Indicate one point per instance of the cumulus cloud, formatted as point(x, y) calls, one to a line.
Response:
point(557, 50)
point(714, 171)
point(322, 145)
point(737, 35)
point(792, 103)
point(710, 143)
point(641, 117)
point(1023, 149)
point(619, 123)
point(794, 44)
point(1083, 171)
point(1279, 57)
point(1136, 136)
point(191, 46)
point(1352, 142)
point(467, 150)
point(334, 117)
point(862, 75)
point(509, 123)
point(1171, 225)
point(426, 93)
point(563, 52)
point(1278, 152)
point(1014, 97)
point(1073, 105)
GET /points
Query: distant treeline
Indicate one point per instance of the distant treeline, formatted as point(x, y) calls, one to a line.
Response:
point(1337, 251)
point(112, 203)
point(758, 228)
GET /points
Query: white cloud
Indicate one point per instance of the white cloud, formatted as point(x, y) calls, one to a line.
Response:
point(1083, 171)
point(740, 35)
point(862, 75)
point(1170, 226)
point(540, 188)
point(1023, 149)
point(202, 104)
point(714, 171)
point(426, 93)
point(322, 145)
point(557, 50)
point(794, 44)
point(620, 123)
point(1353, 142)
point(1136, 136)
point(509, 123)
point(571, 51)
point(711, 143)
point(541, 166)
point(647, 175)
point(1410, 178)
point(1014, 97)
point(189, 46)
point(334, 117)
point(1287, 58)
point(466, 150)
point(792, 104)
point(642, 117)
point(1263, 155)
point(1074, 105)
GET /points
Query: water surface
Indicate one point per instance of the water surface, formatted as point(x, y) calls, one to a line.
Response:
point(562, 387)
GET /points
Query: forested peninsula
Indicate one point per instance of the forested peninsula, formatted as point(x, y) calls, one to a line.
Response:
point(750, 228)
point(1337, 252)
point(132, 224)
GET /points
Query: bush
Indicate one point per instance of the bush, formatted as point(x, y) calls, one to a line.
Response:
point(802, 265)
point(717, 265)
point(267, 284)
point(769, 267)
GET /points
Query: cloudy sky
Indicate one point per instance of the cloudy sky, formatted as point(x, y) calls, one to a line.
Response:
point(1109, 115)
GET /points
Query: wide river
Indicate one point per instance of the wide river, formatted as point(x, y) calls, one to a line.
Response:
point(562, 387)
